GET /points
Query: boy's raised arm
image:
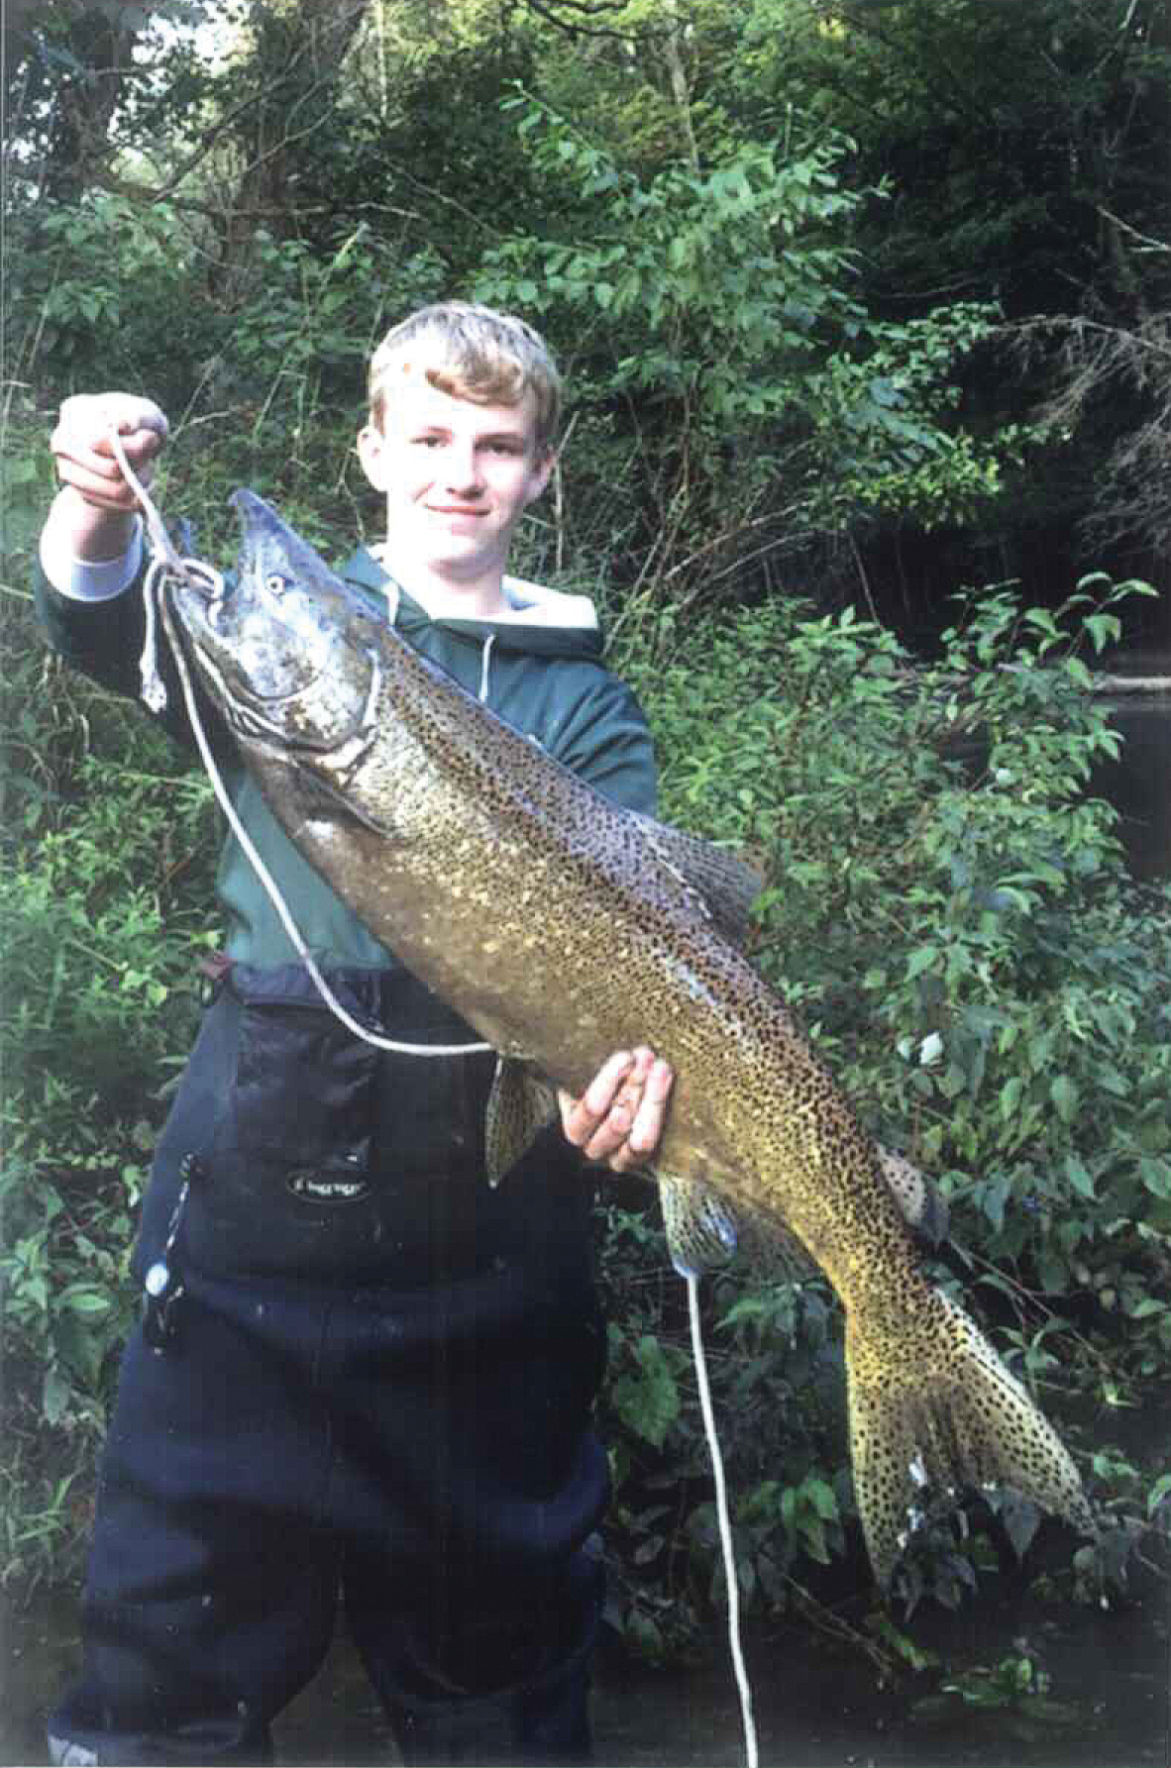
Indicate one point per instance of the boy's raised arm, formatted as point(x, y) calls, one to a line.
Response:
point(91, 550)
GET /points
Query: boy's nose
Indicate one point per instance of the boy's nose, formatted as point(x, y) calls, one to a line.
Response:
point(463, 468)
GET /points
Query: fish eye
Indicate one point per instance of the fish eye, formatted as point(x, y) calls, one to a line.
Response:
point(276, 584)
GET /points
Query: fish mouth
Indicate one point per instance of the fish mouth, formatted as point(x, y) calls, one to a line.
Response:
point(282, 660)
point(201, 604)
point(210, 597)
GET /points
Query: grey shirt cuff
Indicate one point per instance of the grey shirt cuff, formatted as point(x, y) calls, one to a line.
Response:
point(89, 580)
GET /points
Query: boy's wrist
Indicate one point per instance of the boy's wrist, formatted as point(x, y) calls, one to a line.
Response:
point(88, 533)
point(89, 560)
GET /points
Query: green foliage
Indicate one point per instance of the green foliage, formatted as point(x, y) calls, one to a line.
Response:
point(774, 1365)
point(700, 232)
point(91, 938)
point(108, 294)
point(749, 250)
point(1025, 151)
point(809, 409)
point(946, 906)
point(103, 903)
point(1015, 1691)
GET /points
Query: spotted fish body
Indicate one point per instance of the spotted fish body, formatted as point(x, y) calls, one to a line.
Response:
point(563, 928)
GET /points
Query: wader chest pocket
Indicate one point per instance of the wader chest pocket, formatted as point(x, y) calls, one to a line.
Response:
point(303, 1093)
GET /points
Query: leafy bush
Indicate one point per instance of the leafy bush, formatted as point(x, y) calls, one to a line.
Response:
point(103, 903)
point(810, 417)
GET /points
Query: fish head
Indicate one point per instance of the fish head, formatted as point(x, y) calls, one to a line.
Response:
point(287, 650)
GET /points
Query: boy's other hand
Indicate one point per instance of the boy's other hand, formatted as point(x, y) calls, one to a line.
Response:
point(619, 1118)
point(85, 458)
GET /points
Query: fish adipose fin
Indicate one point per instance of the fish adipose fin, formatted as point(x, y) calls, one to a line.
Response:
point(521, 1104)
point(924, 1207)
point(932, 1405)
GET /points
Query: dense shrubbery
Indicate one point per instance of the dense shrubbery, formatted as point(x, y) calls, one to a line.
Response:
point(949, 915)
point(103, 899)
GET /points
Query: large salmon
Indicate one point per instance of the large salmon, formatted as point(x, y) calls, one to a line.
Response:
point(564, 928)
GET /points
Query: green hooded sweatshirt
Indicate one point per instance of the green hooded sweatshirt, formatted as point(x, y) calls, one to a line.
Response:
point(539, 668)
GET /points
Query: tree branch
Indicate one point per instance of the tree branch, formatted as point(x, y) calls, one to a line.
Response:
point(545, 9)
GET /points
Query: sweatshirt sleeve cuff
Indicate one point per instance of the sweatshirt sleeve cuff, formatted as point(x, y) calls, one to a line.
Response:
point(90, 580)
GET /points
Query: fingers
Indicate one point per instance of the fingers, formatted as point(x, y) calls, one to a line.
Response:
point(619, 1118)
point(648, 1090)
point(84, 453)
point(581, 1118)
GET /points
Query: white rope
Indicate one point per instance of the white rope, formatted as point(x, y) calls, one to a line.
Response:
point(488, 643)
point(717, 1460)
point(166, 560)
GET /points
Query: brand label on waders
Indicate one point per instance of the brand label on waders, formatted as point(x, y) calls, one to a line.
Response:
point(331, 1188)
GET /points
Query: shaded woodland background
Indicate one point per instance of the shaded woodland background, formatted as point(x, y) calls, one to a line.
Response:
point(870, 298)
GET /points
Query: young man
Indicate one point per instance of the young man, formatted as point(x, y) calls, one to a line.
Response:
point(362, 1375)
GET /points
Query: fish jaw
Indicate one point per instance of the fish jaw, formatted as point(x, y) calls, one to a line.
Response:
point(286, 651)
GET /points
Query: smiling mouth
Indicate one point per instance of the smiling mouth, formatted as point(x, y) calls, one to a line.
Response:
point(453, 509)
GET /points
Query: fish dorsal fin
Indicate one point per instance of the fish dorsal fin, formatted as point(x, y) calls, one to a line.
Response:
point(726, 885)
point(521, 1103)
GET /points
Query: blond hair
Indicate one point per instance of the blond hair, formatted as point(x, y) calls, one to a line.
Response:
point(471, 352)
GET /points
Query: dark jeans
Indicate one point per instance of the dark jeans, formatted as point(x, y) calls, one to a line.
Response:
point(422, 1455)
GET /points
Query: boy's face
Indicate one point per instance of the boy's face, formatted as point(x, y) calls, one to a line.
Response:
point(457, 478)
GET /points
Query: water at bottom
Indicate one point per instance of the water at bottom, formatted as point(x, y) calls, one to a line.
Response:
point(817, 1705)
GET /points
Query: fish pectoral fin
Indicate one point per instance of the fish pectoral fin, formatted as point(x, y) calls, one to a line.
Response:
point(725, 885)
point(316, 799)
point(521, 1103)
point(924, 1207)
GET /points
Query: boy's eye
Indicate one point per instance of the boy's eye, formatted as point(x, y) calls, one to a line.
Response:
point(508, 445)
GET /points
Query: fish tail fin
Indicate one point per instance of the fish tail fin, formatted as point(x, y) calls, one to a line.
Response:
point(939, 1408)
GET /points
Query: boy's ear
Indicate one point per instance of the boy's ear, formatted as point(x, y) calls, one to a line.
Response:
point(372, 454)
point(543, 473)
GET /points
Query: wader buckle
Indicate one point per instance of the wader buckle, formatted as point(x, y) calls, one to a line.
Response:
point(163, 1285)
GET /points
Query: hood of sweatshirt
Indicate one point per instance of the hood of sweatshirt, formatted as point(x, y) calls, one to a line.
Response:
point(539, 622)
